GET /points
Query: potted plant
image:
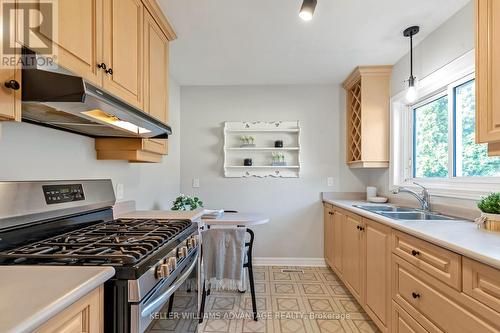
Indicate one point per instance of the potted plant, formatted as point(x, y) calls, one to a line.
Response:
point(490, 212)
point(183, 202)
point(247, 141)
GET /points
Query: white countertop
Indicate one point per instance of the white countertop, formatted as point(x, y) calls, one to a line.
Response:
point(243, 219)
point(162, 214)
point(31, 295)
point(463, 237)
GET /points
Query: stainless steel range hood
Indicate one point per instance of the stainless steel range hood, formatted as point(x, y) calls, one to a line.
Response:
point(67, 102)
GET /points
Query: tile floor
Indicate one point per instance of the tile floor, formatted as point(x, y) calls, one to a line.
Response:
point(288, 302)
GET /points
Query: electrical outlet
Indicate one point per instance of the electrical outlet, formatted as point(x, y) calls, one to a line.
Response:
point(196, 182)
point(119, 191)
point(329, 181)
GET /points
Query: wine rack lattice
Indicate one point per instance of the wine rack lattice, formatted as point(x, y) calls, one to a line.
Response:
point(354, 121)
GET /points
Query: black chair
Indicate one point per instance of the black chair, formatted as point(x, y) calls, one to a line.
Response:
point(248, 265)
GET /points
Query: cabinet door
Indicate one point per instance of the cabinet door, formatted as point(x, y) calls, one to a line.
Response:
point(352, 251)
point(155, 74)
point(123, 50)
point(78, 41)
point(10, 73)
point(338, 221)
point(487, 70)
point(378, 263)
point(328, 234)
point(85, 315)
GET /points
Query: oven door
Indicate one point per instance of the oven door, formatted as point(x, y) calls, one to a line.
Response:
point(173, 304)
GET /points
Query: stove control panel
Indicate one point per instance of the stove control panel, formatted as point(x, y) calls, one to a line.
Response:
point(55, 194)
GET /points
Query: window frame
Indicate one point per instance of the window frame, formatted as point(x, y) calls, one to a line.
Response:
point(441, 81)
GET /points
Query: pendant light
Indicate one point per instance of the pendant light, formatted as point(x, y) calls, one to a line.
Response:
point(307, 9)
point(411, 92)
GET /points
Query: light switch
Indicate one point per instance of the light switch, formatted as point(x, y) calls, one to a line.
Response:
point(329, 181)
point(119, 191)
point(196, 182)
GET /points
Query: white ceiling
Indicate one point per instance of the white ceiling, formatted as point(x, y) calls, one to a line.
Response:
point(237, 42)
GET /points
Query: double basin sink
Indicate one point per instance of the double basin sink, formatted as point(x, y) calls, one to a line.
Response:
point(403, 213)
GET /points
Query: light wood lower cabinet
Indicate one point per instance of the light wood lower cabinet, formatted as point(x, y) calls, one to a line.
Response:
point(328, 233)
point(84, 316)
point(436, 306)
point(482, 283)
point(338, 222)
point(353, 245)
point(438, 262)
point(402, 322)
point(406, 284)
point(378, 269)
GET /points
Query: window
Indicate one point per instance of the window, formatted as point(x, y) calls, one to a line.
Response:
point(443, 134)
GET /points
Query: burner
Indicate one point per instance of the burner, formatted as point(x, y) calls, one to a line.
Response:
point(118, 242)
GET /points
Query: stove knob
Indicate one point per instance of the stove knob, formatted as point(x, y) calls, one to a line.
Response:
point(163, 271)
point(183, 252)
point(194, 241)
point(172, 262)
point(189, 243)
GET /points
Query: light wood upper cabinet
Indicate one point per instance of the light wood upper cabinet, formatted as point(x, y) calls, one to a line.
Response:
point(78, 42)
point(353, 244)
point(10, 74)
point(487, 71)
point(367, 117)
point(156, 56)
point(10, 97)
point(378, 270)
point(123, 50)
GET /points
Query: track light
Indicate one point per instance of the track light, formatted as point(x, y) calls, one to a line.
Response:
point(307, 9)
point(411, 92)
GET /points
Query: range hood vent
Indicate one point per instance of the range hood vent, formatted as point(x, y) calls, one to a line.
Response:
point(60, 100)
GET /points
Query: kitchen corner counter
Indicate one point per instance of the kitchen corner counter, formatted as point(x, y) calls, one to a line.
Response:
point(162, 214)
point(460, 236)
point(31, 295)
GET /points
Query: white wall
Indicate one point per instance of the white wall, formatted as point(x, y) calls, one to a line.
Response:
point(30, 152)
point(294, 205)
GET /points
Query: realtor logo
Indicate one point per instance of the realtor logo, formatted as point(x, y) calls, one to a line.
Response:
point(29, 23)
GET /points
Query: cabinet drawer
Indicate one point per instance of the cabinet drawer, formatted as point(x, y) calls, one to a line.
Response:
point(482, 282)
point(442, 264)
point(437, 307)
point(402, 322)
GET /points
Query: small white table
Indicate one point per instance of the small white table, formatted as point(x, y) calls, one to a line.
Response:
point(238, 219)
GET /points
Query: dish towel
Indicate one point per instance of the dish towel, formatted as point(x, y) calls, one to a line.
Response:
point(223, 257)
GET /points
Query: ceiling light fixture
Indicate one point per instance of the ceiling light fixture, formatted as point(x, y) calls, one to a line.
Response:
point(411, 92)
point(307, 9)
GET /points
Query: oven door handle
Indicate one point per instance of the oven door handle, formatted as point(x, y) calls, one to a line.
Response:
point(163, 297)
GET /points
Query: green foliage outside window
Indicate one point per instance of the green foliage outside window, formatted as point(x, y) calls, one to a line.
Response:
point(431, 143)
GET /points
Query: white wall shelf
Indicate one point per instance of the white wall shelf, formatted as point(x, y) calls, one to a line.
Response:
point(264, 135)
point(262, 148)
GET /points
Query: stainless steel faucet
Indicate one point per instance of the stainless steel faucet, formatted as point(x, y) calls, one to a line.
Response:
point(424, 198)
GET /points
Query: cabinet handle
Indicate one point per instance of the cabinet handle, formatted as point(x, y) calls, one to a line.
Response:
point(109, 71)
point(415, 253)
point(415, 295)
point(12, 84)
point(102, 66)
point(330, 213)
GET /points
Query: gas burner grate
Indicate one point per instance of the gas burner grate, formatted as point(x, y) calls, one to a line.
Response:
point(118, 242)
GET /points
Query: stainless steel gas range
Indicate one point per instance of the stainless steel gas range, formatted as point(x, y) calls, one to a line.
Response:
point(71, 223)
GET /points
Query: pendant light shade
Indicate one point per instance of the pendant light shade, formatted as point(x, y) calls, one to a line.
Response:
point(307, 9)
point(412, 91)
